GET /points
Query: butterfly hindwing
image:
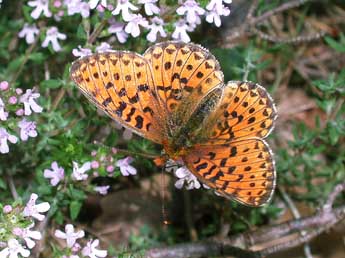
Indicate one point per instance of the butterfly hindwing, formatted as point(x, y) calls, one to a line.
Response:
point(121, 84)
point(245, 111)
point(241, 170)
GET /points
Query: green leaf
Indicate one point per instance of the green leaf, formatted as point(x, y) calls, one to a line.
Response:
point(338, 46)
point(74, 209)
point(37, 57)
point(51, 84)
point(3, 184)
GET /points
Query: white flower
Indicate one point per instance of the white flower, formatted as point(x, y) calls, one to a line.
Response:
point(216, 9)
point(180, 32)
point(29, 32)
point(133, 25)
point(4, 137)
point(70, 235)
point(27, 129)
point(52, 36)
point(78, 173)
point(3, 113)
point(150, 7)
point(41, 6)
point(13, 249)
point(77, 6)
point(118, 29)
point(56, 175)
point(217, 5)
point(103, 47)
point(103, 190)
point(91, 251)
point(155, 28)
point(93, 3)
point(125, 168)
point(33, 210)
point(185, 176)
point(192, 9)
point(81, 51)
point(124, 6)
point(28, 99)
point(27, 234)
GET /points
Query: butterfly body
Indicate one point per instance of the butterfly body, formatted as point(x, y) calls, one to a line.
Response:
point(175, 96)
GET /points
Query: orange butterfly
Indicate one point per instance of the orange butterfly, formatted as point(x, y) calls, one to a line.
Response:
point(175, 95)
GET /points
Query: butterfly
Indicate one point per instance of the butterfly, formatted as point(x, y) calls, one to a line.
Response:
point(174, 95)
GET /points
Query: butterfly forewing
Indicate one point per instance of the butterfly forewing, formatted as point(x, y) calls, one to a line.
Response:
point(121, 84)
point(183, 74)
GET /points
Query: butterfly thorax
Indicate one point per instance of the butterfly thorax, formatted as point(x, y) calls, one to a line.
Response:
point(184, 139)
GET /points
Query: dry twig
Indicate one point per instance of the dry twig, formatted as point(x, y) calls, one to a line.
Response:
point(241, 245)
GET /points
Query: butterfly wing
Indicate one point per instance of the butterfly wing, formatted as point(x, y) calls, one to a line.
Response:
point(245, 111)
point(230, 155)
point(121, 84)
point(241, 170)
point(182, 74)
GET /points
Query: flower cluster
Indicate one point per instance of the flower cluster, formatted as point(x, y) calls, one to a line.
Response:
point(16, 227)
point(129, 18)
point(101, 164)
point(15, 108)
point(74, 249)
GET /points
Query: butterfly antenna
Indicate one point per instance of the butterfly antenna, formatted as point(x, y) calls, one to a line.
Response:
point(163, 189)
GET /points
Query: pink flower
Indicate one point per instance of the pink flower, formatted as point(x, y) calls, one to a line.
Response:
point(186, 177)
point(28, 99)
point(56, 175)
point(124, 7)
point(79, 173)
point(156, 28)
point(215, 10)
point(4, 85)
point(12, 100)
point(94, 164)
point(7, 209)
point(27, 234)
point(150, 6)
point(217, 5)
point(70, 235)
point(93, 3)
point(77, 6)
point(4, 137)
point(125, 168)
point(80, 52)
point(118, 29)
point(33, 210)
point(19, 91)
point(3, 113)
point(110, 168)
point(27, 129)
point(52, 36)
point(13, 249)
point(180, 32)
point(57, 3)
point(103, 47)
point(91, 251)
point(40, 6)
point(133, 25)
point(29, 32)
point(192, 10)
point(20, 112)
point(103, 190)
